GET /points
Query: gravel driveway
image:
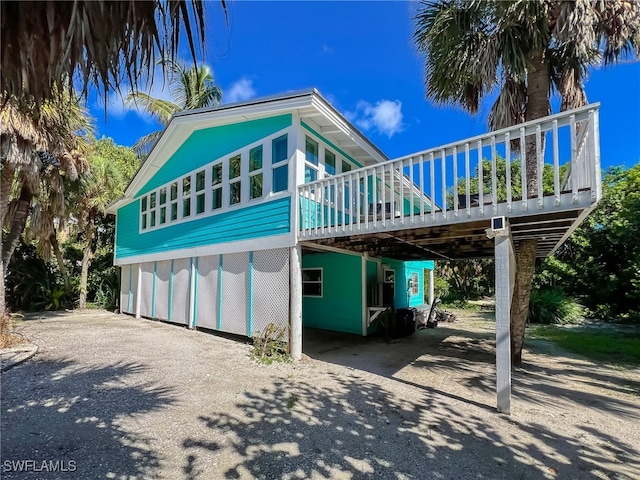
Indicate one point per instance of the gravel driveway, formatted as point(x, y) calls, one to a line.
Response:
point(109, 396)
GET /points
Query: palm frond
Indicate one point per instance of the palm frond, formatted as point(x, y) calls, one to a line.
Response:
point(145, 144)
point(95, 42)
point(160, 109)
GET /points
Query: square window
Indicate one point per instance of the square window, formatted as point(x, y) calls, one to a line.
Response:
point(200, 203)
point(216, 174)
point(200, 181)
point(234, 167)
point(143, 204)
point(186, 186)
point(255, 158)
point(163, 215)
point(279, 149)
point(174, 190)
point(152, 218)
point(312, 282)
point(217, 199)
point(144, 221)
point(389, 275)
point(281, 178)
point(346, 167)
point(311, 151)
point(174, 211)
point(329, 162)
point(152, 200)
point(186, 207)
point(163, 195)
point(255, 186)
point(310, 174)
point(234, 193)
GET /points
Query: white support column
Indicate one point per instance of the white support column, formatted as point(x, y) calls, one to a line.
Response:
point(192, 293)
point(295, 302)
point(505, 267)
point(138, 290)
point(431, 287)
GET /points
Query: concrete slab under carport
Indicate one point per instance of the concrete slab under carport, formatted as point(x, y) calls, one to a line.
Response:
point(459, 355)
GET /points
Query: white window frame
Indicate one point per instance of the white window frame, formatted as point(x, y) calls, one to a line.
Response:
point(224, 186)
point(320, 282)
point(393, 275)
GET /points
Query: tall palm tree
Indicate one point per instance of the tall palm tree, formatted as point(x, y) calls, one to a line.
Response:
point(190, 88)
point(526, 50)
point(38, 156)
point(94, 42)
point(110, 173)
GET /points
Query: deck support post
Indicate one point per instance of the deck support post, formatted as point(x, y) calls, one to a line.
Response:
point(431, 287)
point(295, 303)
point(505, 267)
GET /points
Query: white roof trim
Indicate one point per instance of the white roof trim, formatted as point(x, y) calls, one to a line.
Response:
point(183, 124)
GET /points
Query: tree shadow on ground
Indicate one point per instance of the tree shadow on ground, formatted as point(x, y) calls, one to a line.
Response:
point(358, 429)
point(469, 357)
point(58, 411)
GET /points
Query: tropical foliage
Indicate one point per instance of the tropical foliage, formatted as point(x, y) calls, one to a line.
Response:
point(525, 51)
point(93, 42)
point(600, 263)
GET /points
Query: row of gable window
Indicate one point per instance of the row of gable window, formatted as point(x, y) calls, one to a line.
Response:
point(238, 179)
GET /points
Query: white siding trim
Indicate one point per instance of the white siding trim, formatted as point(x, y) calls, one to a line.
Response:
point(262, 243)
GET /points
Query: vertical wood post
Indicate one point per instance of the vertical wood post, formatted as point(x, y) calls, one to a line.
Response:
point(295, 303)
point(192, 293)
point(505, 277)
point(431, 287)
point(138, 290)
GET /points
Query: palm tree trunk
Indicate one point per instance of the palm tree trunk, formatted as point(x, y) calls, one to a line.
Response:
point(537, 107)
point(86, 261)
point(8, 170)
point(53, 239)
point(17, 224)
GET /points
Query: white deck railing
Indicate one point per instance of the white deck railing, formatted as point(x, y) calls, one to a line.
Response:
point(443, 185)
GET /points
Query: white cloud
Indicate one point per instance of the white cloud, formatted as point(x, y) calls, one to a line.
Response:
point(239, 91)
point(385, 116)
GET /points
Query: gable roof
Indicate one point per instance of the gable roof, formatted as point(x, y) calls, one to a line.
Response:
point(311, 107)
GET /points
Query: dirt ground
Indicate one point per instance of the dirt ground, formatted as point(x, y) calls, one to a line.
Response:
point(110, 396)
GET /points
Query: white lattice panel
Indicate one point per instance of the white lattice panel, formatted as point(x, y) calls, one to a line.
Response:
point(125, 286)
point(207, 307)
point(146, 289)
point(134, 287)
point(270, 303)
point(235, 292)
point(180, 297)
point(163, 273)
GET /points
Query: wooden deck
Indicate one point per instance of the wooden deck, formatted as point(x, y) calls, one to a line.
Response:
point(429, 221)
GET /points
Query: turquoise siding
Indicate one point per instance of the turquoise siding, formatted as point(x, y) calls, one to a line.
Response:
point(372, 281)
point(340, 309)
point(265, 219)
point(402, 296)
point(204, 146)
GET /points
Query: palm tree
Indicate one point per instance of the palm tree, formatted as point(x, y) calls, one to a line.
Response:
point(40, 156)
point(525, 50)
point(190, 88)
point(93, 42)
point(111, 169)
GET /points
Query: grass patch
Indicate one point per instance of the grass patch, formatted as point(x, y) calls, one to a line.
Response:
point(602, 346)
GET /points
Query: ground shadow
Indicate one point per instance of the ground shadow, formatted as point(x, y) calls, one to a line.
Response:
point(57, 411)
point(358, 429)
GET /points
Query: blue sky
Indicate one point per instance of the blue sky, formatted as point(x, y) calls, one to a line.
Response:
point(360, 56)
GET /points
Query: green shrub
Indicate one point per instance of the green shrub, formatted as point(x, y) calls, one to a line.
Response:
point(553, 307)
point(271, 345)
